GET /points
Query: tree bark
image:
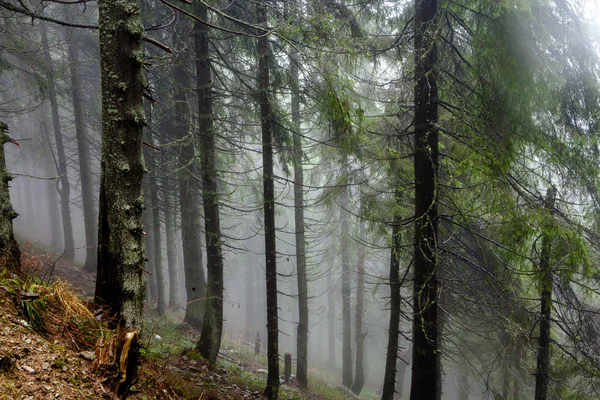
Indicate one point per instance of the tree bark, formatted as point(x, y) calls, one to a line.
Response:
point(347, 375)
point(543, 357)
point(210, 339)
point(120, 282)
point(389, 377)
point(426, 383)
point(266, 118)
point(83, 152)
point(10, 254)
point(64, 189)
point(359, 377)
point(189, 190)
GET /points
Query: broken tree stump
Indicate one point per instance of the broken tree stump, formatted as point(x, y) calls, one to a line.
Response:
point(117, 360)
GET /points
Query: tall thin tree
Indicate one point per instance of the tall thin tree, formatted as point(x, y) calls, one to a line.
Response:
point(83, 149)
point(189, 187)
point(210, 339)
point(542, 377)
point(426, 382)
point(63, 186)
point(302, 337)
point(266, 119)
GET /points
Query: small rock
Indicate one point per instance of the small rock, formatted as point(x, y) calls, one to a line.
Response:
point(64, 368)
point(28, 341)
point(88, 355)
point(185, 358)
point(45, 365)
point(28, 369)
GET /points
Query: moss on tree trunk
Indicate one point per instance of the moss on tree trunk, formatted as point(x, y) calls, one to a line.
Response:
point(10, 254)
point(120, 282)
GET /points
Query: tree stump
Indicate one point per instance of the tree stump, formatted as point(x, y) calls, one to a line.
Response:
point(117, 360)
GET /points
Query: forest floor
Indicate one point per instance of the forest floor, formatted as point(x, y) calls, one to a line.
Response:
point(48, 330)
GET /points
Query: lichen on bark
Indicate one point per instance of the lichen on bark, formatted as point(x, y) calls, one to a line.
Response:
point(119, 282)
point(10, 254)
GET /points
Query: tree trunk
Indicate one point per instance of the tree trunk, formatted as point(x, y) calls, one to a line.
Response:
point(505, 365)
point(52, 197)
point(266, 118)
point(250, 303)
point(331, 321)
point(148, 220)
point(389, 377)
point(543, 357)
point(29, 214)
point(359, 377)
point(426, 383)
point(302, 336)
point(10, 254)
point(347, 375)
point(83, 152)
point(210, 339)
point(517, 381)
point(120, 280)
point(463, 385)
point(189, 190)
point(161, 278)
point(64, 187)
point(171, 235)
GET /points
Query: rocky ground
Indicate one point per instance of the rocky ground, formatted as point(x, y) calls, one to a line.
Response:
point(48, 331)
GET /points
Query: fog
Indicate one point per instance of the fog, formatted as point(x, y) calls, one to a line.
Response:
point(516, 115)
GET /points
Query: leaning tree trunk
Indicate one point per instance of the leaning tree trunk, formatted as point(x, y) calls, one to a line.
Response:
point(266, 119)
point(210, 339)
point(121, 260)
point(359, 377)
point(302, 337)
point(389, 377)
point(10, 254)
point(426, 382)
point(83, 151)
point(543, 357)
point(347, 375)
point(189, 188)
point(64, 189)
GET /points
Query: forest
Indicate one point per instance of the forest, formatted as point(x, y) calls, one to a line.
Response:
point(404, 194)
